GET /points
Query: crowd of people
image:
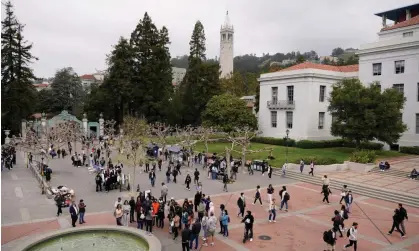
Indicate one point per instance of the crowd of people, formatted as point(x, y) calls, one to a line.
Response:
point(8, 157)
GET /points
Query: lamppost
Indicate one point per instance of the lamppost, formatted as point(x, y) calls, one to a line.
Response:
point(286, 149)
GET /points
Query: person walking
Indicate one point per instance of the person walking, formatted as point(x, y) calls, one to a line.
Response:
point(82, 211)
point(174, 173)
point(403, 216)
point(311, 168)
point(272, 210)
point(343, 193)
point(270, 170)
point(168, 175)
point(74, 212)
point(196, 229)
point(212, 226)
point(59, 202)
point(225, 182)
point(152, 177)
point(397, 219)
point(149, 220)
point(329, 237)
point(326, 192)
point(257, 196)
point(164, 191)
point(196, 176)
point(248, 221)
point(352, 234)
point(186, 238)
point(270, 192)
point(99, 182)
point(337, 222)
point(188, 181)
point(349, 199)
point(301, 166)
point(175, 226)
point(241, 203)
point(284, 169)
point(285, 197)
point(197, 200)
point(225, 219)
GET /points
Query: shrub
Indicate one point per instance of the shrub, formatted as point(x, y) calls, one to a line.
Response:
point(274, 141)
point(317, 160)
point(410, 149)
point(363, 157)
point(311, 144)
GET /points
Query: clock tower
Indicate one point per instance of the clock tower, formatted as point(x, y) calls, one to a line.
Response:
point(226, 48)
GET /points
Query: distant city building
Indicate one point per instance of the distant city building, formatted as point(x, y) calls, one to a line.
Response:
point(393, 61)
point(288, 62)
point(226, 48)
point(296, 98)
point(330, 58)
point(177, 75)
point(41, 86)
point(250, 103)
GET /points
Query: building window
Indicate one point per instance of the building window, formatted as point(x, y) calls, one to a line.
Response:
point(417, 123)
point(399, 66)
point(289, 120)
point(321, 120)
point(290, 93)
point(408, 34)
point(399, 87)
point(322, 93)
point(273, 118)
point(376, 69)
point(274, 91)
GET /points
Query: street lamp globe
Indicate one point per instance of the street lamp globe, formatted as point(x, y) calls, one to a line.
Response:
point(287, 132)
point(43, 114)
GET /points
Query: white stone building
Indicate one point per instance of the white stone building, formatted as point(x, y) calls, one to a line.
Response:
point(177, 75)
point(295, 98)
point(393, 60)
point(226, 48)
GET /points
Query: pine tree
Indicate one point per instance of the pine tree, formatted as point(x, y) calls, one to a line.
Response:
point(18, 93)
point(201, 81)
point(152, 73)
point(67, 90)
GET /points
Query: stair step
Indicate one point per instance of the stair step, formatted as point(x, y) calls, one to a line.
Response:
point(358, 189)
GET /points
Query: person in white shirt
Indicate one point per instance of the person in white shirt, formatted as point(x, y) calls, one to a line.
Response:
point(118, 202)
point(353, 237)
point(284, 169)
point(272, 210)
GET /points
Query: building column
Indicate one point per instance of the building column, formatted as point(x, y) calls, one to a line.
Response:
point(101, 125)
point(408, 15)
point(84, 123)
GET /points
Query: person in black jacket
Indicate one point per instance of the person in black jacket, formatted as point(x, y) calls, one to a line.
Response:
point(337, 221)
point(196, 229)
point(188, 181)
point(225, 181)
point(248, 226)
point(196, 176)
point(174, 173)
point(241, 203)
point(397, 218)
point(403, 214)
point(186, 238)
point(326, 192)
point(197, 200)
point(132, 210)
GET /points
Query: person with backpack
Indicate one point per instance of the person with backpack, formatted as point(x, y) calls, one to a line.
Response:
point(344, 216)
point(196, 176)
point(248, 226)
point(329, 237)
point(257, 196)
point(285, 197)
point(348, 201)
point(352, 234)
point(225, 181)
point(326, 192)
point(337, 221)
point(225, 219)
point(397, 219)
point(186, 238)
point(403, 214)
point(272, 210)
point(174, 173)
point(196, 229)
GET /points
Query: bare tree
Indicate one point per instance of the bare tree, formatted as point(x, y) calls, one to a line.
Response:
point(133, 142)
point(243, 140)
point(109, 128)
point(162, 132)
point(187, 137)
point(205, 134)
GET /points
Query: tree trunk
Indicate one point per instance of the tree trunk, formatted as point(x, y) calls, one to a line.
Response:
point(228, 162)
point(206, 146)
point(243, 158)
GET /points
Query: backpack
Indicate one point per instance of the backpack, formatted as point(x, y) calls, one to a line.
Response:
point(345, 214)
point(287, 196)
point(327, 236)
point(348, 233)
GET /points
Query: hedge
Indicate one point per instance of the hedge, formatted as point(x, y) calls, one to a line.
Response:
point(274, 141)
point(410, 149)
point(364, 157)
point(317, 160)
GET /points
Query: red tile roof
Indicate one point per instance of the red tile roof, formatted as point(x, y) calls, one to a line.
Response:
point(410, 22)
point(41, 85)
point(309, 65)
point(88, 77)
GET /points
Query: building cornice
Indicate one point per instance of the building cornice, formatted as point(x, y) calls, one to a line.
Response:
point(389, 48)
point(306, 75)
point(398, 30)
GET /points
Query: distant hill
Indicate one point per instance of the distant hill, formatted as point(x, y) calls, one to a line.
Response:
point(255, 64)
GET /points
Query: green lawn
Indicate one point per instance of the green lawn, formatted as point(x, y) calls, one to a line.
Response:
point(294, 154)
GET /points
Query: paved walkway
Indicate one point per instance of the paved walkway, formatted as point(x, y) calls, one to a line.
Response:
point(299, 229)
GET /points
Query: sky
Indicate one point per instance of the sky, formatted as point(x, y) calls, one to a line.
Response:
point(79, 33)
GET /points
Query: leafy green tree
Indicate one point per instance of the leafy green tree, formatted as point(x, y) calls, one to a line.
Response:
point(18, 94)
point(44, 99)
point(67, 91)
point(152, 71)
point(300, 59)
point(337, 52)
point(228, 112)
point(257, 97)
point(201, 81)
point(363, 113)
